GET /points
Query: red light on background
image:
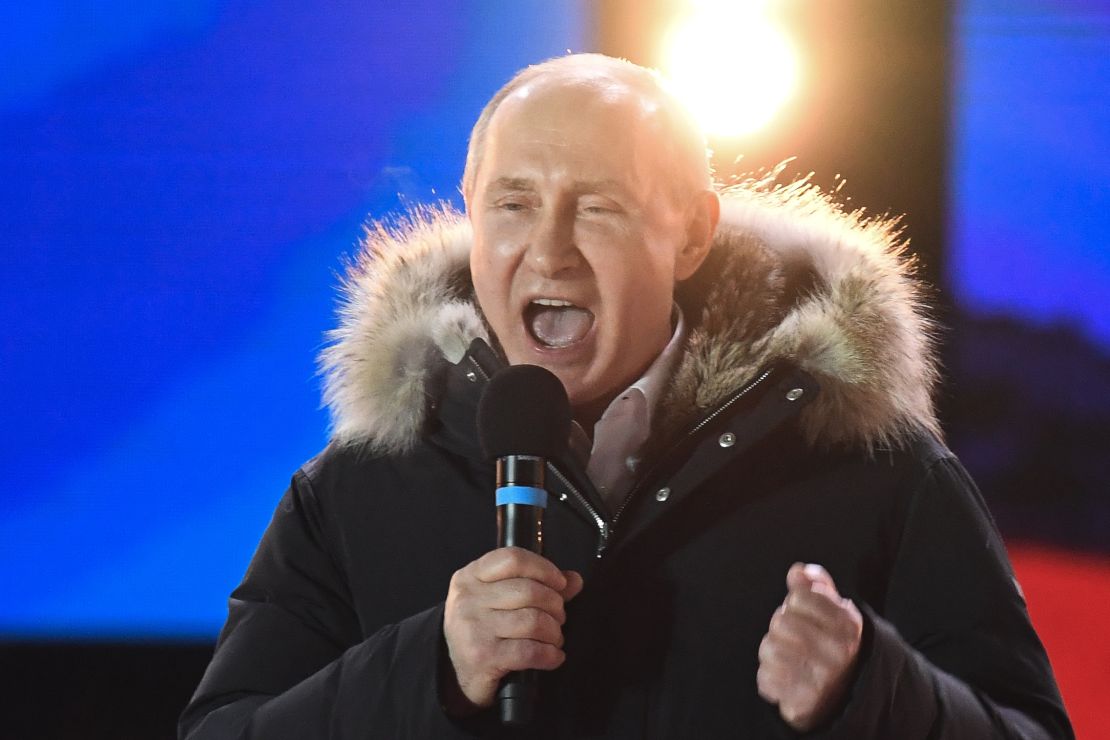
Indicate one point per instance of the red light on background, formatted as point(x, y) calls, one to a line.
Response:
point(1068, 595)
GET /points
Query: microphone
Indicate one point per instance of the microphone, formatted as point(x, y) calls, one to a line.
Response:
point(523, 419)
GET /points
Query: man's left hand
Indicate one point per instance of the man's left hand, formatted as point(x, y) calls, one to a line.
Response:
point(807, 656)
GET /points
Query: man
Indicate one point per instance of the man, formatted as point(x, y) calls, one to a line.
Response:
point(758, 533)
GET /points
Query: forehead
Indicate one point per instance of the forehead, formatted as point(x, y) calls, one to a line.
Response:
point(600, 126)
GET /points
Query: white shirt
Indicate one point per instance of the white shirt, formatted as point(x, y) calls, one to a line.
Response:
point(620, 433)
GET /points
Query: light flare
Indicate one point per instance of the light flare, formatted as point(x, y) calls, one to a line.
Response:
point(732, 64)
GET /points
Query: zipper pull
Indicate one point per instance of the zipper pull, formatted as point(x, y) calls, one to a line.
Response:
point(603, 533)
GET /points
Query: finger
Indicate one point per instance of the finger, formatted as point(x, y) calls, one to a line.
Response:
point(516, 562)
point(784, 636)
point(802, 576)
point(798, 711)
point(523, 593)
point(793, 636)
point(795, 672)
point(777, 656)
point(528, 624)
point(574, 584)
point(784, 685)
point(827, 612)
point(794, 651)
point(796, 578)
point(769, 684)
point(523, 655)
point(819, 605)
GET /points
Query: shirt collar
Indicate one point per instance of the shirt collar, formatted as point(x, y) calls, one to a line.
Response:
point(654, 380)
point(638, 400)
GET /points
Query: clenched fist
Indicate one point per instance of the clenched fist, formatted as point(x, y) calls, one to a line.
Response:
point(505, 613)
point(807, 656)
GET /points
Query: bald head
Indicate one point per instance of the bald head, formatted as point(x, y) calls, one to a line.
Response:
point(635, 94)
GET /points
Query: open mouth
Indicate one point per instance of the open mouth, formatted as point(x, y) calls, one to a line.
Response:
point(557, 323)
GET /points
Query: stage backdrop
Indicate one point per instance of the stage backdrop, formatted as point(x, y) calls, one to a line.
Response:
point(1030, 164)
point(180, 181)
point(1028, 265)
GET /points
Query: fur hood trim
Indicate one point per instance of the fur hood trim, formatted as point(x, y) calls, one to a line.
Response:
point(406, 302)
point(791, 276)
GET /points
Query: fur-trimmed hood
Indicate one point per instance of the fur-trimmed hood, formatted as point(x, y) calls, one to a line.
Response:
point(791, 276)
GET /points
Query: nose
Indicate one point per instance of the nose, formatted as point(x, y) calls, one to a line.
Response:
point(552, 251)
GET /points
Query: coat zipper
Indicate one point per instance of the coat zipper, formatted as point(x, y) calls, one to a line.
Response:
point(605, 527)
point(478, 367)
point(694, 430)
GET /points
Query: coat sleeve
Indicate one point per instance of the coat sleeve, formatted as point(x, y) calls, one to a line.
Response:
point(951, 653)
point(291, 661)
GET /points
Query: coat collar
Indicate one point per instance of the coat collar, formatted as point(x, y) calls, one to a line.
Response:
point(791, 277)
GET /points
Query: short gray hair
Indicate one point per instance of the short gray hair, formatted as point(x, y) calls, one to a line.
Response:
point(683, 142)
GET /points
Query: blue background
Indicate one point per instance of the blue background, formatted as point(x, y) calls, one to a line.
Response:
point(181, 179)
point(1030, 163)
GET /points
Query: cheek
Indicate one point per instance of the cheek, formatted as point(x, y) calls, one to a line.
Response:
point(497, 245)
point(491, 272)
point(636, 278)
point(487, 288)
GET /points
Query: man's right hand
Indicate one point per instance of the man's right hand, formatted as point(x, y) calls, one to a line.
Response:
point(505, 613)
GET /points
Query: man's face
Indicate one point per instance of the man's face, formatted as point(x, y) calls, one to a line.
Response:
point(577, 238)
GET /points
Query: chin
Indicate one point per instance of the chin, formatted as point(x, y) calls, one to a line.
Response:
point(582, 395)
point(577, 394)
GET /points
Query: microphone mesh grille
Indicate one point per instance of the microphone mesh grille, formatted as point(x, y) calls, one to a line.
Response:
point(524, 411)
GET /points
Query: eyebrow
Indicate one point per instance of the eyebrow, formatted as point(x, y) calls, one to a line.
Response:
point(512, 183)
point(582, 186)
point(597, 186)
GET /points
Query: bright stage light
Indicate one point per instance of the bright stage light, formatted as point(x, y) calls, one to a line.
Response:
point(732, 65)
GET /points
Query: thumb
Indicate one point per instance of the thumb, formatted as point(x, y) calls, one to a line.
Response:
point(804, 576)
point(574, 584)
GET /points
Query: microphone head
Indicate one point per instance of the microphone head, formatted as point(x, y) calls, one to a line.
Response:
point(524, 411)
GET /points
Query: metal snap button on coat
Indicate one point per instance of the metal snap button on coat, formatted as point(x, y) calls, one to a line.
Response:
point(472, 376)
point(728, 439)
point(794, 394)
point(663, 494)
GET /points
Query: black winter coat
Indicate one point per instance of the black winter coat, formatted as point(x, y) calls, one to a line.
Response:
point(779, 455)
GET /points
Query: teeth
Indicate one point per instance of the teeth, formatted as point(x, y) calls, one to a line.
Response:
point(553, 302)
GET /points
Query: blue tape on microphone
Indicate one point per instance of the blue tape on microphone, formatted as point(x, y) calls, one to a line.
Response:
point(528, 495)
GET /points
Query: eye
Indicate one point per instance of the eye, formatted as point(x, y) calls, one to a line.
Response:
point(598, 207)
point(512, 205)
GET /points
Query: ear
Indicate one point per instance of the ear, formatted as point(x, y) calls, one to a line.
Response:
point(701, 224)
point(466, 203)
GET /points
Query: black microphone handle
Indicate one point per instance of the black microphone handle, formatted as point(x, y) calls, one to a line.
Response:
point(519, 525)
